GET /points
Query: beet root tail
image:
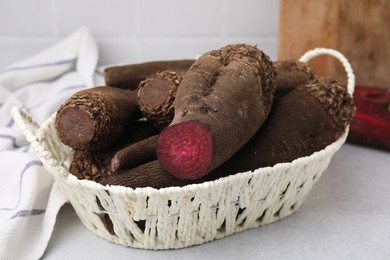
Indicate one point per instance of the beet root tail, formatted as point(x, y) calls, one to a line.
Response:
point(185, 149)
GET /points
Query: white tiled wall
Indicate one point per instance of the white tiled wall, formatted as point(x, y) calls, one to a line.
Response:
point(130, 31)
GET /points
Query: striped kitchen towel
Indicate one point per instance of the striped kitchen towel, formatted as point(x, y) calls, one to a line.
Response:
point(29, 200)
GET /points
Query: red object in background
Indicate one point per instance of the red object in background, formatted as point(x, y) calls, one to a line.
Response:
point(371, 125)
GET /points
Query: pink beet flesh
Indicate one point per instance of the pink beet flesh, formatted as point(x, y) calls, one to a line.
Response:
point(185, 149)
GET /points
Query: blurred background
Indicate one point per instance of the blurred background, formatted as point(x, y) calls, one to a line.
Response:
point(137, 30)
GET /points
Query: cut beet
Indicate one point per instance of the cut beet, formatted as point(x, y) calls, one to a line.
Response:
point(371, 125)
point(76, 126)
point(185, 149)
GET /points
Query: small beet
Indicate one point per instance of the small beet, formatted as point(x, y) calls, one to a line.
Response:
point(129, 76)
point(156, 95)
point(95, 164)
point(150, 174)
point(291, 74)
point(96, 118)
point(134, 154)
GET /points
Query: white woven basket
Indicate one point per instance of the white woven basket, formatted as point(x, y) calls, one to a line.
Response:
point(177, 217)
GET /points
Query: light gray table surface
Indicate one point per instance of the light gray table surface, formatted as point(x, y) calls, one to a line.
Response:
point(346, 216)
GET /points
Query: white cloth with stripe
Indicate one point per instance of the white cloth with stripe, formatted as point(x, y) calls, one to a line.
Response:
point(29, 200)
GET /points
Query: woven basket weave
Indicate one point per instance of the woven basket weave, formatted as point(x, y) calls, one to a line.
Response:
point(177, 217)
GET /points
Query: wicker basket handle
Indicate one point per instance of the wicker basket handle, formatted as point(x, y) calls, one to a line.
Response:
point(338, 55)
point(35, 135)
point(25, 122)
